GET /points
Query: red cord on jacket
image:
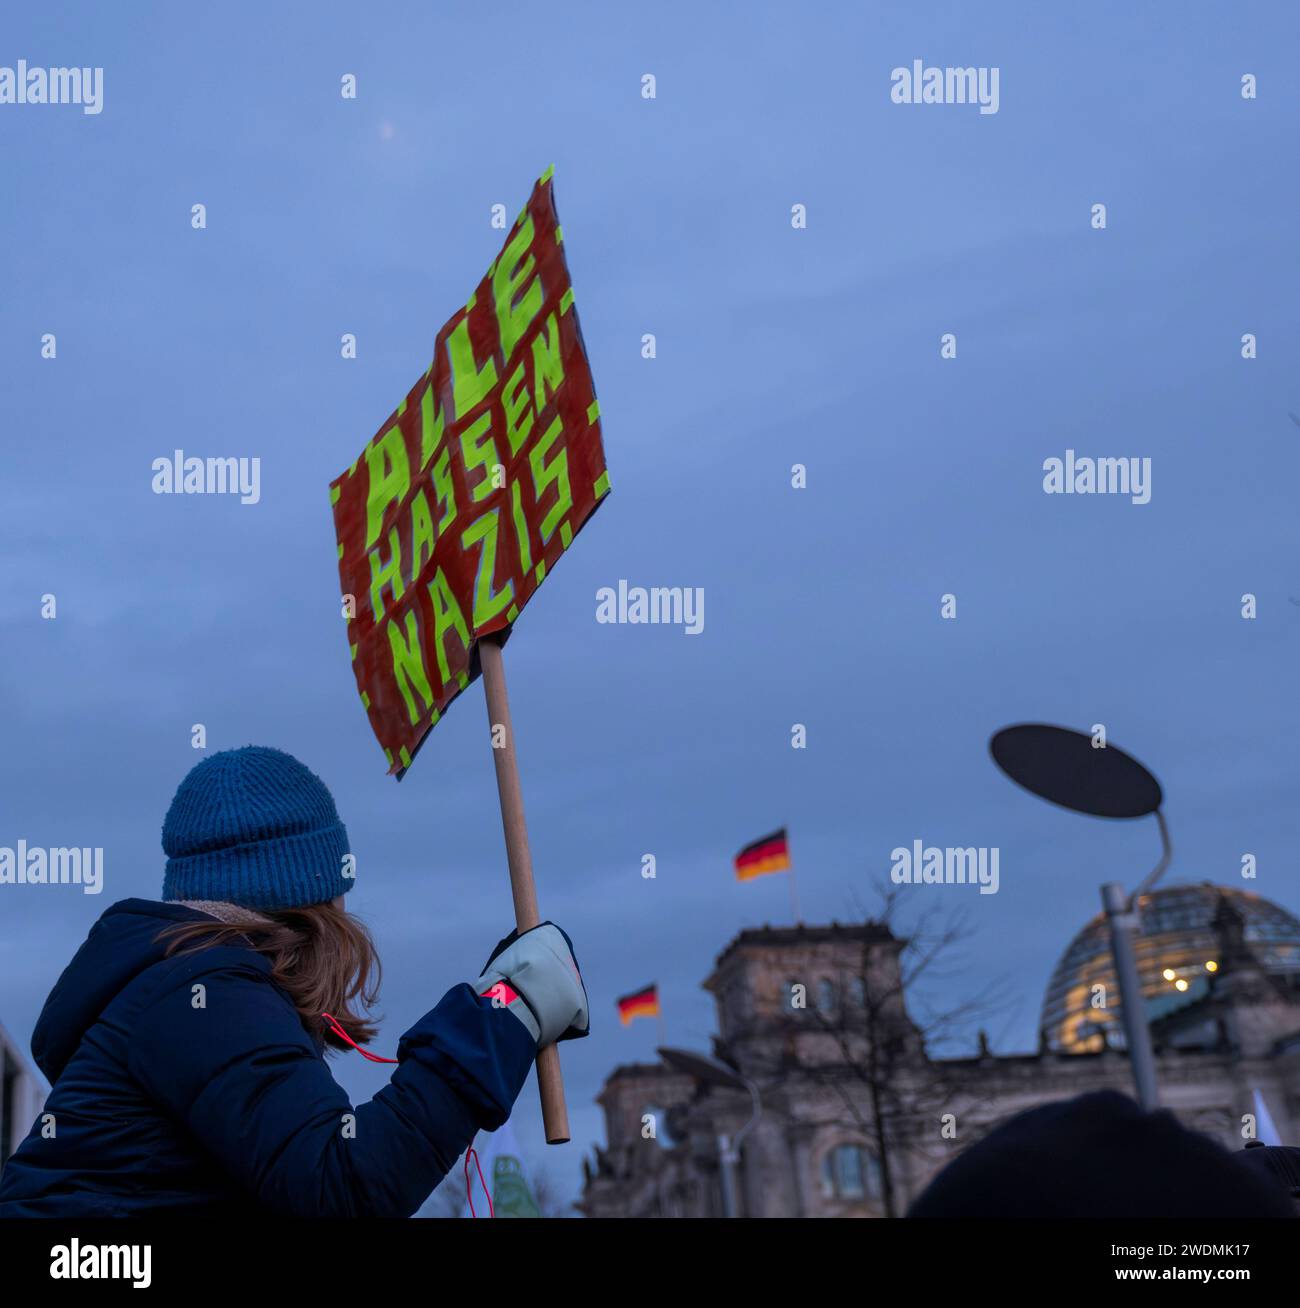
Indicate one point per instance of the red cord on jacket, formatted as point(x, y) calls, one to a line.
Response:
point(471, 1152)
point(469, 1189)
point(343, 1035)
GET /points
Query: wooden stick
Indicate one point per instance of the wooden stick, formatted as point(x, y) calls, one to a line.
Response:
point(550, 1080)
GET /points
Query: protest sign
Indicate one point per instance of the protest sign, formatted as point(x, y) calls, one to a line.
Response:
point(471, 489)
point(453, 514)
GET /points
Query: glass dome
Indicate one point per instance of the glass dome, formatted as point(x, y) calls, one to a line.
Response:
point(1177, 954)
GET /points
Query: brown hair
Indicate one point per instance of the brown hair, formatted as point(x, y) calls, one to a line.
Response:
point(322, 956)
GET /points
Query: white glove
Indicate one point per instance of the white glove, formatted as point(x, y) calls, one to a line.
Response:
point(536, 976)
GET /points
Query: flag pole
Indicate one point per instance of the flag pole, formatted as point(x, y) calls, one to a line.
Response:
point(659, 1017)
point(550, 1080)
point(794, 893)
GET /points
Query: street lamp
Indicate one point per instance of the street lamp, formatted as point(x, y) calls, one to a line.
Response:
point(1065, 767)
point(712, 1072)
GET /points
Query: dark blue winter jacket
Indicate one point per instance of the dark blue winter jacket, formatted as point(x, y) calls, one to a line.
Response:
point(189, 1086)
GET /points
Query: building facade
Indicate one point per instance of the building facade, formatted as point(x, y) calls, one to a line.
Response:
point(857, 1115)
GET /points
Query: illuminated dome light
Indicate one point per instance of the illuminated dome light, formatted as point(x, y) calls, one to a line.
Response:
point(1177, 935)
point(1180, 984)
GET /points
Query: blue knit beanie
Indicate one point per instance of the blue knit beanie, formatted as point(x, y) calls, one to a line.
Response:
point(253, 826)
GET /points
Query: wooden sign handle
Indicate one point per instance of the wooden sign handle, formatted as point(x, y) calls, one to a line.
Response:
point(550, 1080)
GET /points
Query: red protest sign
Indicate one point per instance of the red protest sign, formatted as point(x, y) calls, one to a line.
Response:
point(472, 488)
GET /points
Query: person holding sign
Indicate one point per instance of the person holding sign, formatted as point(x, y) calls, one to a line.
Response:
point(459, 507)
point(185, 1042)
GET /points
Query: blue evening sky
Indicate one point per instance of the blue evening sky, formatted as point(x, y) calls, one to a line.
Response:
point(776, 346)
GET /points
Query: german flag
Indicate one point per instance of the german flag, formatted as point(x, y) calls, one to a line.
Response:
point(640, 1003)
point(771, 854)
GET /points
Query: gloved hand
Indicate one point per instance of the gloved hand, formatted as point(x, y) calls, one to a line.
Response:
point(536, 976)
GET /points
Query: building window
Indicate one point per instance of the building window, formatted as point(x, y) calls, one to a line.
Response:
point(858, 990)
point(850, 1172)
point(826, 996)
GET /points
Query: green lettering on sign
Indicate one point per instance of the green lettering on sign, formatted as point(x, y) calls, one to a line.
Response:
point(386, 574)
point(470, 383)
point(423, 537)
point(521, 530)
point(389, 479)
point(519, 416)
point(487, 604)
point(479, 450)
point(408, 665)
point(432, 426)
point(445, 490)
point(509, 276)
point(446, 617)
point(544, 474)
point(548, 369)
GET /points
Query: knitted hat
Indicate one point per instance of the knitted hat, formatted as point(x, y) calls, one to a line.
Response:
point(253, 826)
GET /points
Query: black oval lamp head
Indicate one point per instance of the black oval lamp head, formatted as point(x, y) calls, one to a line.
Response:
point(1062, 766)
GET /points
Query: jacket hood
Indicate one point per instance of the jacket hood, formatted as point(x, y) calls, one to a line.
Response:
point(120, 946)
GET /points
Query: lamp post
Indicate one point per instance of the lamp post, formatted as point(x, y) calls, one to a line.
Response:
point(1065, 767)
point(713, 1072)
